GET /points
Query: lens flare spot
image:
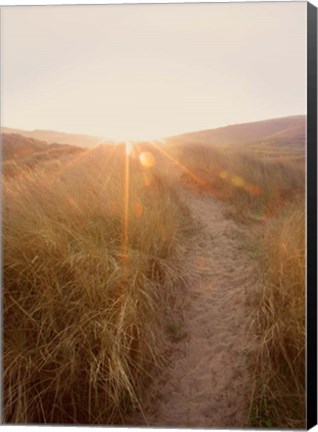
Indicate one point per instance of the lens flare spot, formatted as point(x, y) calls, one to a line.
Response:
point(253, 190)
point(138, 209)
point(147, 159)
point(237, 181)
point(224, 175)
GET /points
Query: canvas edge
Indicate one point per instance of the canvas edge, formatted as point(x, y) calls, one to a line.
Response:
point(311, 318)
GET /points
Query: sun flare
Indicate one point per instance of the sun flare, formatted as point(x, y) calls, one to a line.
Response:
point(129, 147)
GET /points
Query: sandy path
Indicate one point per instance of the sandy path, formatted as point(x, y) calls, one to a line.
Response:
point(207, 383)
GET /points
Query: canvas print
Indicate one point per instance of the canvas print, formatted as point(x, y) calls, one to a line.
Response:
point(153, 216)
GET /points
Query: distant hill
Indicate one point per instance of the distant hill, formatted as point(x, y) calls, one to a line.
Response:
point(15, 146)
point(280, 130)
point(274, 132)
point(57, 137)
point(19, 152)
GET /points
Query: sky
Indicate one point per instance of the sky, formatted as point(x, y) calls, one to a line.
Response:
point(151, 71)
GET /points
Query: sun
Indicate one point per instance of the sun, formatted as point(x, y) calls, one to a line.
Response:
point(123, 138)
point(128, 147)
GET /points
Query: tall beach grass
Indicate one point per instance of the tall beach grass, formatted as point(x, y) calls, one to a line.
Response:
point(268, 195)
point(83, 300)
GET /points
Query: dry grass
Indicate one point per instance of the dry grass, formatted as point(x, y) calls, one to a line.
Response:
point(278, 398)
point(83, 302)
point(270, 191)
point(82, 306)
point(254, 186)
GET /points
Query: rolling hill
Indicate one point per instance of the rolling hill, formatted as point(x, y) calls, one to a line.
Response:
point(280, 130)
point(57, 137)
point(278, 137)
point(19, 152)
point(15, 146)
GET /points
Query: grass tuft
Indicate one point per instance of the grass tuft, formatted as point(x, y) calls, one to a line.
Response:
point(83, 311)
point(267, 194)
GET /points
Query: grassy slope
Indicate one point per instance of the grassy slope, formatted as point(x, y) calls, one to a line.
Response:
point(271, 192)
point(281, 129)
point(56, 137)
point(20, 152)
point(83, 307)
point(279, 391)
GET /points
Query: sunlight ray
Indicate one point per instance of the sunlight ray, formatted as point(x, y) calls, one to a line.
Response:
point(128, 147)
point(178, 163)
point(74, 161)
point(108, 159)
point(81, 157)
point(84, 156)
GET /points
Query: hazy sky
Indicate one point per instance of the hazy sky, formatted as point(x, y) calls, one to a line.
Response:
point(148, 71)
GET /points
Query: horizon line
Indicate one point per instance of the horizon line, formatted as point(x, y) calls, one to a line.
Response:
point(165, 137)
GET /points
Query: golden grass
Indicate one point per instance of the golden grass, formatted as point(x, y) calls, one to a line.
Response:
point(279, 388)
point(271, 192)
point(83, 302)
point(254, 186)
point(82, 312)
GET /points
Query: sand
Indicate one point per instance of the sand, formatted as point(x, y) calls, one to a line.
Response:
point(207, 383)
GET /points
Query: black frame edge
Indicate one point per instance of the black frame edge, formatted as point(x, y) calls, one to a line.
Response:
point(311, 215)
